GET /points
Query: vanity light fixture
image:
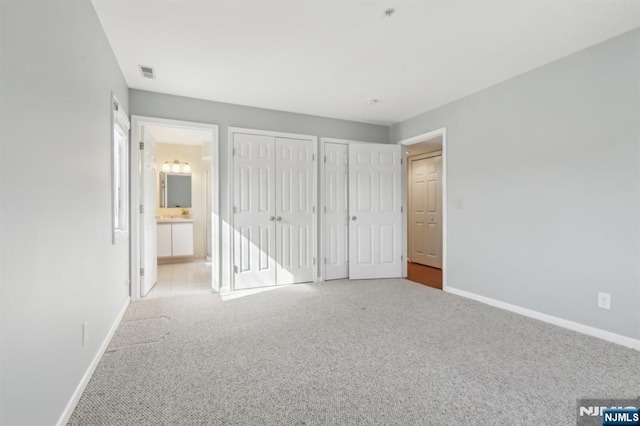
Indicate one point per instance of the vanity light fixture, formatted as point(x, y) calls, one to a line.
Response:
point(176, 167)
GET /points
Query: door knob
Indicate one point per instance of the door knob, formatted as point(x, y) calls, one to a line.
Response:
point(353, 218)
point(272, 218)
point(278, 218)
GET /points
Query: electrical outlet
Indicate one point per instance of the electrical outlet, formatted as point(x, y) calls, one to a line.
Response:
point(604, 301)
point(85, 331)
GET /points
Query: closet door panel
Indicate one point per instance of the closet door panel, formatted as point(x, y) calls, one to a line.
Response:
point(254, 204)
point(294, 185)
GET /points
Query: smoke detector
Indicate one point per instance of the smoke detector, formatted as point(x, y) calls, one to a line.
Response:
point(389, 12)
point(147, 72)
point(372, 102)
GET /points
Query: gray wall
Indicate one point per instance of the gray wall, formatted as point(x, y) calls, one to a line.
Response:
point(159, 105)
point(547, 168)
point(58, 265)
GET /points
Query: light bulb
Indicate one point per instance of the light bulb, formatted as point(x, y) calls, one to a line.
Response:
point(176, 167)
point(166, 167)
point(186, 168)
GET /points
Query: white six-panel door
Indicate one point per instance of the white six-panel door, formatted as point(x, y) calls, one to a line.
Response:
point(254, 205)
point(336, 214)
point(148, 222)
point(375, 211)
point(274, 210)
point(417, 200)
point(425, 216)
point(294, 210)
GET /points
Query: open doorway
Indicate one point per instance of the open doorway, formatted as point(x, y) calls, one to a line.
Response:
point(175, 244)
point(424, 219)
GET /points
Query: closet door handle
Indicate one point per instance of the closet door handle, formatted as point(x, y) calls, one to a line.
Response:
point(272, 218)
point(278, 218)
point(353, 218)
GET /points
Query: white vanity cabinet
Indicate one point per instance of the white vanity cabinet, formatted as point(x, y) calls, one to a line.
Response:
point(164, 240)
point(175, 238)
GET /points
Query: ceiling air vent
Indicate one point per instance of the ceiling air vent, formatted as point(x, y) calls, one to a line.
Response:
point(147, 72)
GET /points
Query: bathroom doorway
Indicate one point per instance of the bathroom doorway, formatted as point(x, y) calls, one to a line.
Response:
point(175, 184)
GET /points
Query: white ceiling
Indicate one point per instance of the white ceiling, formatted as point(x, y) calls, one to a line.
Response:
point(175, 135)
point(327, 57)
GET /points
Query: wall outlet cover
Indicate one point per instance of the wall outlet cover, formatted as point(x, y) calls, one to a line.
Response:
point(604, 301)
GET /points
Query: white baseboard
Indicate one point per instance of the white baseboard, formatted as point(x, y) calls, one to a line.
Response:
point(580, 328)
point(68, 411)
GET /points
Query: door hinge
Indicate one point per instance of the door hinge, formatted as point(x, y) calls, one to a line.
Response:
point(235, 269)
point(141, 208)
point(325, 260)
point(233, 151)
point(314, 260)
point(142, 272)
point(141, 146)
point(325, 209)
point(235, 209)
point(401, 209)
point(401, 258)
point(313, 209)
point(325, 158)
point(313, 157)
point(401, 161)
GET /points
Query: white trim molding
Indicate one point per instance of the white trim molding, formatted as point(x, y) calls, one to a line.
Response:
point(77, 394)
point(560, 322)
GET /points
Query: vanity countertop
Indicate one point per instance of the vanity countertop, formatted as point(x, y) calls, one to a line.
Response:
point(173, 220)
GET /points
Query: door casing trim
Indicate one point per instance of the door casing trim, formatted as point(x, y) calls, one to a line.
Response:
point(137, 121)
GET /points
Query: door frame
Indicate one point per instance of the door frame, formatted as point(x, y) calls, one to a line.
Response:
point(322, 201)
point(137, 122)
point(405, 216)
point(228, 276)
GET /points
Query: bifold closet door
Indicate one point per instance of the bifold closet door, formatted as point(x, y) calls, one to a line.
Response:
point(336, 217)
point(254, 240)
point(375, 211)
point(294, 210)
point(273, 210)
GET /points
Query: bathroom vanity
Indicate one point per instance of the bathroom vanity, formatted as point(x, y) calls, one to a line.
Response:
point(175, 237)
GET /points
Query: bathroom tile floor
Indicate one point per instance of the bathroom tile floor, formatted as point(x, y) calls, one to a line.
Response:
point(182, 279)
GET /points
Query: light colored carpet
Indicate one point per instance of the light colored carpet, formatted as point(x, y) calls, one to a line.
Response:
point(383, 352)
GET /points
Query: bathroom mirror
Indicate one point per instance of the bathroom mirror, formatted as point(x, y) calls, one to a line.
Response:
point(175, 190)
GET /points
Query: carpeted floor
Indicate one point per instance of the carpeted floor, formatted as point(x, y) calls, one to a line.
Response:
point(384, 352)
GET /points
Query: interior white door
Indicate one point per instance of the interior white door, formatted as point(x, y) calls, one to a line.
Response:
point(294, 210)
point(149, 203)
point(254, 211)
point(336, 217)
point(426, 201)
point(417, 201)
point(375, 210)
